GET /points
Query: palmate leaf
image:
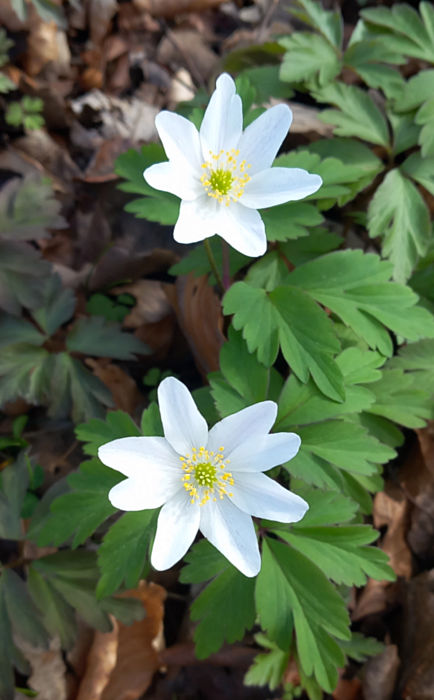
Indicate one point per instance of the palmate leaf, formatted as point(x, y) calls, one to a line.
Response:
point(225, 608)
point(399, 215)
point(21, 272)
point(403, 29)
point(420, 169)
point(57, 305)
point(154, 205)
point(267, 669)
point(290, 220)
point(328, 23)
point(25, 370)
point(24, 616)
point(96, 336)
point(417, 357)
point(27, 209)
point(123, 553)
point(287, 318)
point(97, 432)
point(14, 483)
point(289, 587)
point(357, 288)
point(402, 397)
point(340, 552)
point(307, 56)
point(80, 512)
point(357, 116)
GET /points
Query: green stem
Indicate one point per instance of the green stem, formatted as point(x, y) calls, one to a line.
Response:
point(213, 265)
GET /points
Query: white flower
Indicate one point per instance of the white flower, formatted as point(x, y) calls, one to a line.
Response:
point(208, 481)
point(223, 174)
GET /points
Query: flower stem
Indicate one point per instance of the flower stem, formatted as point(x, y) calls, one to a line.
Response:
point(226, 272)
point(213, 265)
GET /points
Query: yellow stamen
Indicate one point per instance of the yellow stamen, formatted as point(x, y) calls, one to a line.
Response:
point(201, 478)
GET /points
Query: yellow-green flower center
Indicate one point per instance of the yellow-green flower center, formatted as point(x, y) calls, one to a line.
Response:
point(224, 178)
point(205, 475)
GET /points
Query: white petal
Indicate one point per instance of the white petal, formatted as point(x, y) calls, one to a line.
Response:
point(245, 426)
point(231, 531)
point(263, 137)
point(223, 120)
point(262, 497)
point(178, 523)
point(264, 452)
point(277, 185)
point(166, 177)
point(133, 456)
point(181, 142)
point(143, 493)
point(243, 229)
point(197, 220)
point(184, 427)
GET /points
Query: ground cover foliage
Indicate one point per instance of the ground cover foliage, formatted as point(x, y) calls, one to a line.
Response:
point(334, 323)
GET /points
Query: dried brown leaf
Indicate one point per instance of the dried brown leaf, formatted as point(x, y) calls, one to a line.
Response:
point(126, 395)
point(101, 661)
point(380, 673)
point(170, 8)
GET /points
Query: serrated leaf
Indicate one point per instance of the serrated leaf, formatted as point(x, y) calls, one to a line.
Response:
point(358, 116)
point(290, 220)
point(202, 562)
point(57, 307)
point(403, 29)
point(399, 215)
point(224, 609)
point(416, 91)
point(420, 169)
point(21, 271)
point(156, 205)
point(28, 208)
point(345, 445)
point(57, 614)
point(267, 669)
point(123, 552)
point(360, 648)
point(80, 512)
point(419, 358)
point(24, 615)
point(317, 243)
point(400, 398)
point(14, 483)
point(328, 23)
point(307, 56)
point(96, 336)
point(356, 287)
point(97, 432)
point(425, 118)
point(341, 552)
point(77, 391)
point(406, 132)
point(308, 597)
point(286, 317)
point(17, 330)
point(24, 371)
point(326, 507)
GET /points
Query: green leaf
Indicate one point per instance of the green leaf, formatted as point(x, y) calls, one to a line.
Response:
point(150, 423)
point(289, 221)
point(425, 118)
point(360, 648)
point(399, 398)
point(341, 552)
point(14, 484)
point(50, 11)
point(80, 512)
point(400, 216)
point(267, 669)
point(202, 563)
point(58, 616)
point(420, 169)
point(416, 91)
point(6, 84)
point(305, 249)
point(197, 261)
point(405, 132)
point(16, 330)
point(96, 336)
point(225, 609)
point(419, 358)
point(21, 271)
point(403, 29)
point(76, 390)
point(22, 612)
point(358, 116)
point(328, 23)
point(326, 507)
point(122, 555)
point(289, 318)
point(6, 651)
point(308, 56)
point(97, 432)
point(356, 287)
point(25, 371)
point(28, 208)
point(265, 78)
point(310, 599)
point(155, 205)
point(58, 305)
point(345, 445)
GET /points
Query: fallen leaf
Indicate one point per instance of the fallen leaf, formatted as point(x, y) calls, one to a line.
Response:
point(391, 511)
point(417, 639)
point(48, 676)
point(170, 8)
point(417, 480)
point(200, 318)
point(126, 395)
point(101, 661)
point(348, 689)
point(380, 673)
